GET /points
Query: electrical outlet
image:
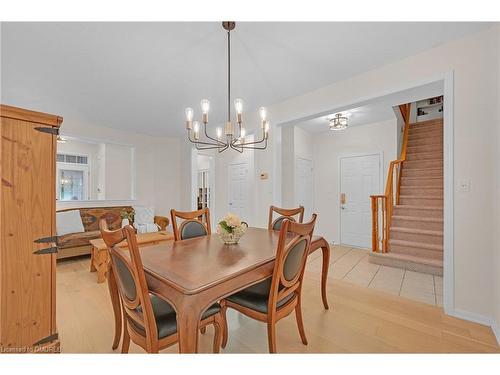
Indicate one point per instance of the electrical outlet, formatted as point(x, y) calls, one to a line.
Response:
point(463, 186)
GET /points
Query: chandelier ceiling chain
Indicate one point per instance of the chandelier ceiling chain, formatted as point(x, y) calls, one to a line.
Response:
point(232, 141)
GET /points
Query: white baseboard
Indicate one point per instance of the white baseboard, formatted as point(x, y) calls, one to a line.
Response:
point(472, 317)
point(496, 330)
point(477, 318)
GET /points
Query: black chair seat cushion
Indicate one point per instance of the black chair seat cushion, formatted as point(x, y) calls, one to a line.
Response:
point(165, 317)
point(256, 297)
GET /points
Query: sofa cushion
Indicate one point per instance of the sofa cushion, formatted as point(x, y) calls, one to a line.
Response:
point(91, 216)
point(78, 239)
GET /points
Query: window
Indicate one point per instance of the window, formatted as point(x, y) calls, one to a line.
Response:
point(72, 177)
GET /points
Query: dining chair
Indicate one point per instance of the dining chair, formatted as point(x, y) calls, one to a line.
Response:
point(277, 296)
point(148, 320)
point(194, 224)
point(292, 214)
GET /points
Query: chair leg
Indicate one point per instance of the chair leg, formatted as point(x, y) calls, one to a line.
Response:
point(126, 340)
point(218, 327)
point(300, 323)
point(271, 336)
point(225, 332)
point(153, 349)
point(203, 330)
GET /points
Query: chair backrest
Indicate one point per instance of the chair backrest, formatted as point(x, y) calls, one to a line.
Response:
point(291, 258)
point(194, 224)
point(292, 214)
point(129, 275)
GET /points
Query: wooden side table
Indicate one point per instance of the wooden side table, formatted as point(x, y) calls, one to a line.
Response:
point(99, 257)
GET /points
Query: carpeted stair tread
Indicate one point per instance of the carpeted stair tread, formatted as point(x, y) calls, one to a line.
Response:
point(427, 232)
point(426, 246)
point(430, 208)
point(418, 218)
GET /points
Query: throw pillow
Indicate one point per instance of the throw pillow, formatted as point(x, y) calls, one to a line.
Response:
point(69, 222)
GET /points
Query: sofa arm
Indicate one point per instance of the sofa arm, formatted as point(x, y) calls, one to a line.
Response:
point(162, 221)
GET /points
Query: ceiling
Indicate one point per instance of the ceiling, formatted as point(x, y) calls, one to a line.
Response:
point(140, 76)
point(362, 115)
point(374, 110)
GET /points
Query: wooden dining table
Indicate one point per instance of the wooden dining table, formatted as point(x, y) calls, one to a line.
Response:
point(195, 273)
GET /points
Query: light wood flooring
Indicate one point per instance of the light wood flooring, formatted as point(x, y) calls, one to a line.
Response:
point(363, 318)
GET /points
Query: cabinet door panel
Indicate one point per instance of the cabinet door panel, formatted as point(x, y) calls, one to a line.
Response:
point(27, 195)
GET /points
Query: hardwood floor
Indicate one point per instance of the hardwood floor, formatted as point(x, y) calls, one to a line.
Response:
point(360, 320)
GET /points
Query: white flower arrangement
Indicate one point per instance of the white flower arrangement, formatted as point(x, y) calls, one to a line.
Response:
point(231, 228)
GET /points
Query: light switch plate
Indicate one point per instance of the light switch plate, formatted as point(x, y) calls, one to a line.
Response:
point(463, 186)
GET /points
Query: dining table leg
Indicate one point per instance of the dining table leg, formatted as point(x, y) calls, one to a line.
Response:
point(115, 302)
point(187, 327)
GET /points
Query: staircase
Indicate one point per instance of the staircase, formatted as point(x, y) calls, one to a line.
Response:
point(415, 238)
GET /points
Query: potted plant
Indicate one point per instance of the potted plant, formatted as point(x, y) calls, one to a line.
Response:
point(127, 217)
point(230, 229)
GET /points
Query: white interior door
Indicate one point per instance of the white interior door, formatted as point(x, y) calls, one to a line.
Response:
point(359, 178)
point(238, 190)
point(304, 186)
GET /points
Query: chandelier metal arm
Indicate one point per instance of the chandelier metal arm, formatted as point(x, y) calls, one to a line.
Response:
point(198, 142)
point(211, 138)
point(240, 149)
point(255, 148)
point(251, 143)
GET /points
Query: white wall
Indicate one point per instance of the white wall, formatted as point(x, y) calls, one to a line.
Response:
point(119, 165)
point(157, 160)
point(474, 62)
point(379, 137)
point(288, 166)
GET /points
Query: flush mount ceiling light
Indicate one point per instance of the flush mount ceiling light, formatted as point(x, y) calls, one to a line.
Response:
point(234, 138)
point(339, 122)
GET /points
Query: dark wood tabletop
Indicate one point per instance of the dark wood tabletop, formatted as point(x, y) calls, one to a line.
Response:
point(194, 265)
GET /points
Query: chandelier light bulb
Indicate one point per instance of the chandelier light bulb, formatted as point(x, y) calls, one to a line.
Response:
point(189, 114)
point(262, 113)
point(205, 106)
point(266, 127)
point(243, 133)
point(238, 106)
point(196, 128)
point(219, 132)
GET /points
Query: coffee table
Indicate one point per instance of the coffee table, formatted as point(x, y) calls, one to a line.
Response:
point(99, 259)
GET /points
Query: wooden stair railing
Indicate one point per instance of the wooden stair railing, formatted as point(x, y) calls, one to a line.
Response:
point(383, 205)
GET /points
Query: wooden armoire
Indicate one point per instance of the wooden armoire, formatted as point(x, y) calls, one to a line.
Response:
point(27, 238)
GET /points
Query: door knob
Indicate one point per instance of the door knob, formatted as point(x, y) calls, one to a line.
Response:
point(342, 198)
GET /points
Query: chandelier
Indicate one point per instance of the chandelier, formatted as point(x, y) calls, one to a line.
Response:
point(233, 137)
point(339, 122)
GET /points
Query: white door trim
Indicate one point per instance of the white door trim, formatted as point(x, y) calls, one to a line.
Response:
point(380, 155)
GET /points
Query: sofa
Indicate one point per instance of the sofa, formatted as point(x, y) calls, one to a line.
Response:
point(76, 244)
